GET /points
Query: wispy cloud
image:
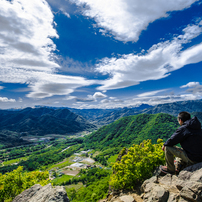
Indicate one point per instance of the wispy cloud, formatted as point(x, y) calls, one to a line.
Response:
point(156, 63)
point(151, 93)
point(126, 19)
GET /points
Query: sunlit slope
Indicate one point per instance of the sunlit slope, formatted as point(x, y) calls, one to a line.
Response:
point(133, 130)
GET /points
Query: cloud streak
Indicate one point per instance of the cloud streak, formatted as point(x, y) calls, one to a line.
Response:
point(126, 19)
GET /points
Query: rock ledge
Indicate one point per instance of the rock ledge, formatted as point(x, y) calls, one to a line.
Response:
point(37, 193)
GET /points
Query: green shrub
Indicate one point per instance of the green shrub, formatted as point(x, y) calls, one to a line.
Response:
point(137, 165)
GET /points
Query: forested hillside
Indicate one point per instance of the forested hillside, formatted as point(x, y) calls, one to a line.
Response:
point(41, 121)
point(133, 130)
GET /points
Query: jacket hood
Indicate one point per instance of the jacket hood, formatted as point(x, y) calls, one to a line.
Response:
point(193, 123)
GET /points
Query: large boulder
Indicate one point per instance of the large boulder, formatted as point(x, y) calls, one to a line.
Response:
point(37, 193)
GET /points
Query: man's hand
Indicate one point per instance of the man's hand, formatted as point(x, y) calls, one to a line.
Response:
point(163, 148)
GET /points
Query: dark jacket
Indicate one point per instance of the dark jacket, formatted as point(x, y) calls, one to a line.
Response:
point(189, 135)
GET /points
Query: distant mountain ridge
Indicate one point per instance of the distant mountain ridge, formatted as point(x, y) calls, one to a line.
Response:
point(175, 107)
point(41, 121)
point(106, 116)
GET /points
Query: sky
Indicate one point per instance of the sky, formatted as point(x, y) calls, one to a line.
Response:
point(99, 53)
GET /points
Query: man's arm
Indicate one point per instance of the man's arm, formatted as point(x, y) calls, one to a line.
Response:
point(176, 138)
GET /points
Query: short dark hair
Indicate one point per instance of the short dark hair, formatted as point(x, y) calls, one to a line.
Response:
point(184, 116)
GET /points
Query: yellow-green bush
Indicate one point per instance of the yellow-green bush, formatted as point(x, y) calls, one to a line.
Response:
point(15, 182)
point(137, 165)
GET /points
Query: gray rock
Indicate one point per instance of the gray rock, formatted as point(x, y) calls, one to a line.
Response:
point(127, 198)
point(37, 193)
point(187, 186)
point(156, 193)
point(27, 194)
point(173, 197)
point(192, 191)
point(148, 181)
point(182, 200)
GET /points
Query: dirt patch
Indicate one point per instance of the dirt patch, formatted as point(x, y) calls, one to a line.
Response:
point(88, 160)
point(71, 172)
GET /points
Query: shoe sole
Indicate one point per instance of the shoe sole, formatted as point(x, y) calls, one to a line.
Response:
point(166, 172)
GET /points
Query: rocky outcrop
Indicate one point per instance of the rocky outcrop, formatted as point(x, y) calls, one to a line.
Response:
point(37, 193)
point(187, 186)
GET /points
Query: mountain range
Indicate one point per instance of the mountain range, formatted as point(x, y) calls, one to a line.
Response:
point(102, 117)
point(50, 120)
point(41, 121)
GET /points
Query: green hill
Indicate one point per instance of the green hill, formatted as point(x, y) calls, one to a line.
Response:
point(133, 130)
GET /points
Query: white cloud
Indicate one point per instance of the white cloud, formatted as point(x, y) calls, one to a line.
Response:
point(151, 93)
point(91, 98)
point(99, 95)
point(194, 87)
point(1, 87)
point(127, 18)
point(157, 63)
point(104, 101)
point(190, 84)
point(65, 13)
point(5, 99)
point(25, 36)
point(26, 49)
point(51, 84)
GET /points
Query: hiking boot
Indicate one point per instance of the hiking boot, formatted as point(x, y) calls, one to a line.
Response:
point(165, 170)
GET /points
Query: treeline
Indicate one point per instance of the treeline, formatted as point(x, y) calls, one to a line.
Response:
point(11, 139)
point(13, 153)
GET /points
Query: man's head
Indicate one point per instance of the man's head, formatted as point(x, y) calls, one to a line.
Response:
point(183, 116)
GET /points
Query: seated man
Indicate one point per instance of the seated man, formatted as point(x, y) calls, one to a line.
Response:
point(189, 135)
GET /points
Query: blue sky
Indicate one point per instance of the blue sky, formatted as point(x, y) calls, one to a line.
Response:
point(99, 53)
